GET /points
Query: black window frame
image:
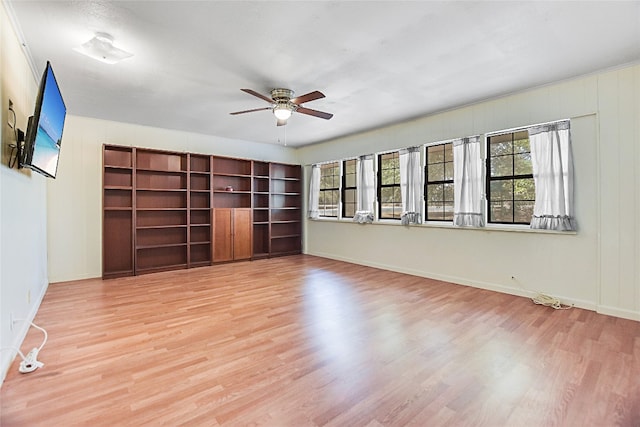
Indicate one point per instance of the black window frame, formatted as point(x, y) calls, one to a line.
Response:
point(380, 186)
point(513, 178)
point(322, 207)
point(441, 182)
point(345, 188)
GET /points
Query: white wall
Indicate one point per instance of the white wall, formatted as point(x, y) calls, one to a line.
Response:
point(23, 208)
point(595, 268)
point(75, 196)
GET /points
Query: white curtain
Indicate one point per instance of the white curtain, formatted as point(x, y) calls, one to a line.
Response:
point(314, 193)
point(411, 186)
point(552, 163)
point(365, 190)
point(468, 182)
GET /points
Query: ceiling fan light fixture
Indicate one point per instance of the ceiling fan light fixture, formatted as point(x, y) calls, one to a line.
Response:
point(101, 48)
point(282, 111)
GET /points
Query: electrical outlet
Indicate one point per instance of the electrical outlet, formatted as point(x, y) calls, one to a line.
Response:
point(11, 321)
point(29, 296)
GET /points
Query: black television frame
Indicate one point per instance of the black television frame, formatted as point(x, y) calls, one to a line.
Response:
point(27, 149)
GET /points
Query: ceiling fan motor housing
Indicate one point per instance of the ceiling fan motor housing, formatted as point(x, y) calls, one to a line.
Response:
point(281, 95)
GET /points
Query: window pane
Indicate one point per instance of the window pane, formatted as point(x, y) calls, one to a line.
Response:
point(328, 203)
point(349, 210)
point(448, 210)
point(329, 175)
point(523, 165)
point(501, 190)
point(321, 198)
point(350, 166)
point(448, 152)
point(388, 210)
point(448, 171)
point(501, 211)
point(435, 193)
point(386, 195)
point(435, 172)
point(397, 210)
point(524, 189)
point(349, 196)
point(333, 206)
point(521, 142)
point(523, 211)
point(448, 192)
point(350, 180)
point(502, 166)
point(435, 154)
point(350, 173)
point(390, 176)
point(397, 195)
point(435, 211)
point(500, 145)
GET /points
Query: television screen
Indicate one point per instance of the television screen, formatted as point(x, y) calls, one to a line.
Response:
point(44, 131)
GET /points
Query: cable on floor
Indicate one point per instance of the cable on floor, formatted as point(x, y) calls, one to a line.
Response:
point(549, 301)
point(30, 362)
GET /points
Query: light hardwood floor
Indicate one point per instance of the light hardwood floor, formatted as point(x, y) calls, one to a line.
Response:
point(306, 341)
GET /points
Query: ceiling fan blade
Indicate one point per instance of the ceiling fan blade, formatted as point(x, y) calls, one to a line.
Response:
point(311, 96)
point(314, 113)
point(254, 93)
point(250, 111)
point(281, 123)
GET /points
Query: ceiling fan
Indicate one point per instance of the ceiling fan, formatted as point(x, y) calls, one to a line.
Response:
point(283, 104)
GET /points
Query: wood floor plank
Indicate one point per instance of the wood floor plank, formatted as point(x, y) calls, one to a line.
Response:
point(307, 341)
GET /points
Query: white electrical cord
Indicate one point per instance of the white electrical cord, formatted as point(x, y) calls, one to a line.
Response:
point(549, 301)
point(30, 362)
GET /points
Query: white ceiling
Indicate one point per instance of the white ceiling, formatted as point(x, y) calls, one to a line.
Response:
point(377, 62)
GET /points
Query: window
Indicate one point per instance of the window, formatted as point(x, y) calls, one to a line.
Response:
point(439, 182)
point(390, 206)
point(510, 185)
point(349, 188)
point(329, 189)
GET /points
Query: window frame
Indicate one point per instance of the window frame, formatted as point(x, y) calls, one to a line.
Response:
point(322, 207)
point(437, 182)
point(513, 177)
point(345, 188)
point(380, 186)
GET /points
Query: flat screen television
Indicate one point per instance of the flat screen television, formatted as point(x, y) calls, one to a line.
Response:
point(41, 149)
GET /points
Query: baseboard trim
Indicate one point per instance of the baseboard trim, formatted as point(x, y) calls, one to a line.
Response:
point(618, 312)
point(587, 305)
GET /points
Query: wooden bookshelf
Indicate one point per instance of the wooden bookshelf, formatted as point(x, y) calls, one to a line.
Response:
point(117, 216)
point(159, 210)
point(285, 209)
point(161, 192)
point(260, 205)
point(200, 228)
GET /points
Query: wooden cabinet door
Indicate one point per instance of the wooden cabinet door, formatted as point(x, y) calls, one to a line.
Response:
point(242, 234)
point(222, 235)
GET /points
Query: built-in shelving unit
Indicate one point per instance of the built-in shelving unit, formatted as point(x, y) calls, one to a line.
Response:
point(285, 213)
point(161, 193)
point(261, 240)
point(231, 182)
point(199, 211)
point(117, 217)
point(159, 209)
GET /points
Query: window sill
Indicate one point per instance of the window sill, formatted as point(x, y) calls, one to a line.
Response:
point(447, 225)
